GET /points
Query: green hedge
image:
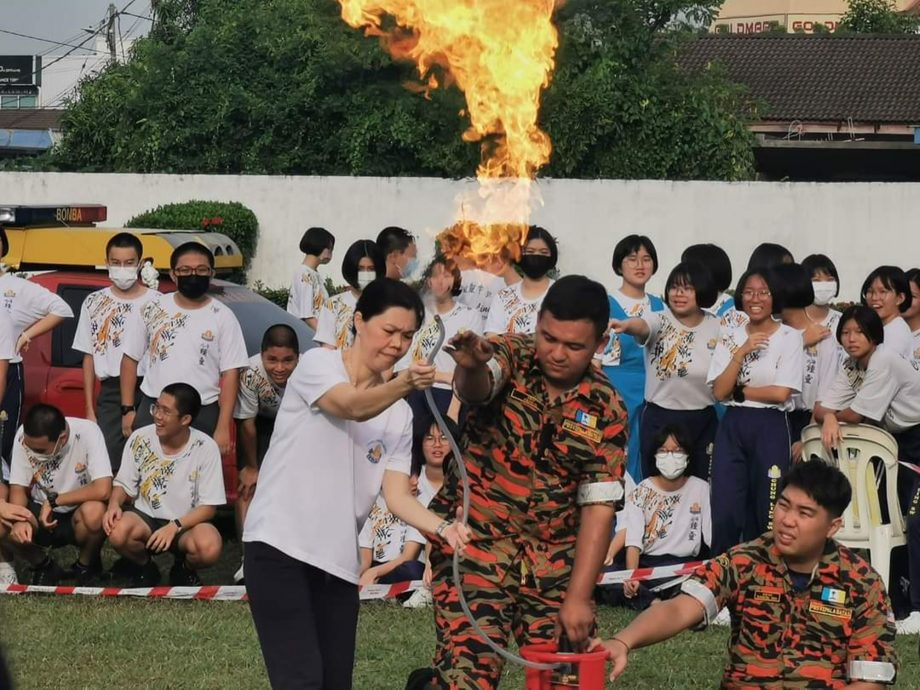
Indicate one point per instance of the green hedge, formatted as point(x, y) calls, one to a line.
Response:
point(231, 219)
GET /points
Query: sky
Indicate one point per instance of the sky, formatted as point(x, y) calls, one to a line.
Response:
point(61, 20)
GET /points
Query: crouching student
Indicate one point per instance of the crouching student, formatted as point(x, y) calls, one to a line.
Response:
point(261, 389)
point(63, 460)
point(173, 473)
point(666, 518)
point(806, 611)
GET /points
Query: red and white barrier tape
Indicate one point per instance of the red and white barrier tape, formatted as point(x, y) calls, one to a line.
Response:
point(368, 592)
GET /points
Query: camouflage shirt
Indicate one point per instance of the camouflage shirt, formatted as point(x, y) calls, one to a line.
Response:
point(532, 461)
point(839, 627)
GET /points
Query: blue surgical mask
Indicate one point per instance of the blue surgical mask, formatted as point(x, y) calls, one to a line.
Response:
point(410, 267)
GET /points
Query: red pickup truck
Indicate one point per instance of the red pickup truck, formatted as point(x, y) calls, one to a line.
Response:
point(53, 369)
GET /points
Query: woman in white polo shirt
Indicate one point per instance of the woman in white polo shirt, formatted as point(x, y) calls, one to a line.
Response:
point(342, 433)
point(887, 291)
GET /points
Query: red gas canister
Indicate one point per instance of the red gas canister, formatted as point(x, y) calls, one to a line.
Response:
point(585, 671)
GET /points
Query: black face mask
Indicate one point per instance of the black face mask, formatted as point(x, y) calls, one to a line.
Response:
point(193, 286)
point(535, 266)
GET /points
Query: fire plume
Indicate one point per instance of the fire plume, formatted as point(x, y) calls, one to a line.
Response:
point(500, 54)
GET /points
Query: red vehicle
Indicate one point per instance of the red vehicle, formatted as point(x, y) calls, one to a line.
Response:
point(53, 369)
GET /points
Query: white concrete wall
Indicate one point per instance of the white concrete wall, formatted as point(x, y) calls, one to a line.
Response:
point(859, 226)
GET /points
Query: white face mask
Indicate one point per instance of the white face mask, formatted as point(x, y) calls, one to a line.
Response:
point(825, 291)
point(123, 277)
point(365, 278)
point(671, 464)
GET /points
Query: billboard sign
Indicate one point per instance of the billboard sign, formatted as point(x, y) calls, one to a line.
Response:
point(20, 74)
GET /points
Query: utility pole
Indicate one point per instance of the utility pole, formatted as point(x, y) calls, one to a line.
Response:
point(110, 32)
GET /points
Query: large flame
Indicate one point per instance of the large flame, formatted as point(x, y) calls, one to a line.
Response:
point(500, 54)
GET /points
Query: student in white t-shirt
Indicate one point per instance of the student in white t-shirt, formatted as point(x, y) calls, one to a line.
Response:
point(363, 263)
point(887, 291)
point(825, 282)
point(104, 318)
point(400, 253)
point(666, 517)
point(755, 371)
point(478, 285)
point(765, 256)
point(442, 285)
point(33, 311)
point(821, 355)
point(308, 294)
point(678, 343)
point(515, 308)
point(185, 336)
point(60, 471)
point(912, 315)
point(172, 473)
point(262, 386)
point(342, 434)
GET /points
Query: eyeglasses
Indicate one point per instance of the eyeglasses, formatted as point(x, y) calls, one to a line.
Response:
point(883, 292)
point(157, 410)
point(750, 294)
point(682, 289)
point(186, 271)
point(436, 440)
point(634, 260)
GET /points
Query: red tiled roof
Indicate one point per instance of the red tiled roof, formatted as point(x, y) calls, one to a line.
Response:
point(30, 118)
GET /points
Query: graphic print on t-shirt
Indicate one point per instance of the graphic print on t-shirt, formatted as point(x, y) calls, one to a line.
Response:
point(162, 329)
point(155, 471)
point(520, 314)
point(383, 524)
point(267, 394)
point(673, 351)
point(107, 320)
point(344, 317)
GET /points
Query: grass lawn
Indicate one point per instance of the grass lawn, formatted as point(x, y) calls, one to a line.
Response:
point(75, 643)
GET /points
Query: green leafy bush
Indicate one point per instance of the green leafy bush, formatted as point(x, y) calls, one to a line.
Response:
point(231, 219)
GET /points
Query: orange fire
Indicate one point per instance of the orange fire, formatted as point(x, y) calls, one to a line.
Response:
point(500, 54)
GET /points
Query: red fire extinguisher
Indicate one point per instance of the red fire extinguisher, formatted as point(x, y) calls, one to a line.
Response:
point(585, 671)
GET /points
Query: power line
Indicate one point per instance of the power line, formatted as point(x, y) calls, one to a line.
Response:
point(48, 40)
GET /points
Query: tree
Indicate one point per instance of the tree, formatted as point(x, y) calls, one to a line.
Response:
point(286, 87)
point(876, 17)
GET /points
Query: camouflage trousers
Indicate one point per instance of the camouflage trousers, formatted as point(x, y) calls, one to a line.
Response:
point(506, 598)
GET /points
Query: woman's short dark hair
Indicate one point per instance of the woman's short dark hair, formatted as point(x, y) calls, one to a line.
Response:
point(576, 298)
point(660, 438)
point(819, 262)
point(767, 255)
point(420, 428)
point(892, 278)
point(695, 275)
point(357, 251)
point(767, 276)
point(394, 239)
point(793, 283)
point(535, 232)
point(823, 483)
point(316, 240)
point(713, 257)
point(451, 267)
point(629, 245)
point(386, 293)
point(280, 335)
point(868, 320)
point(188, 400)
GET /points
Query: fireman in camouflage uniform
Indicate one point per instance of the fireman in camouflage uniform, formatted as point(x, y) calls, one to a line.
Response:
point(544, 447)
point(806, 611)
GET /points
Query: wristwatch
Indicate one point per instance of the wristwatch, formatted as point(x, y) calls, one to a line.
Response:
point(738, 393)
point(52, 499)
point(126, 409)
point(178, 524)
point(442, 528)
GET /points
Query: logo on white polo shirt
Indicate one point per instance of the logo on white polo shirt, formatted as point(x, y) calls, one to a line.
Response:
point(207, 335)
point(375, 451)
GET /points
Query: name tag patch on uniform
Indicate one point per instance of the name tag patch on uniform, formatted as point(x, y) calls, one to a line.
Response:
point(820, 608)
point(528, 400)
point(834, 596)
point(769, 594)
point(582, 430)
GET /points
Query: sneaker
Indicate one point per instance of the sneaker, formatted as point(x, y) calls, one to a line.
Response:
point(8, 574)
point(238, 577)
point(420, 599)
point(47, 574)
point(85, 575)
point(909, 625)
point(180, 575)
point(147, 575)
point(724, 618)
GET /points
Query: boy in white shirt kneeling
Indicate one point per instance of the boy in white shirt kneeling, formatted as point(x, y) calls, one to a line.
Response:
point(173, 474)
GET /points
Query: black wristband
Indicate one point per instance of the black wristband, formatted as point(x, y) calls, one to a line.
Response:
point(126, 409)
point(52, 500)
point(177, 524)
point(738, 393)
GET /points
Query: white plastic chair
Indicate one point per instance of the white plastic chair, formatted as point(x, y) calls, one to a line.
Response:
point(862, 520)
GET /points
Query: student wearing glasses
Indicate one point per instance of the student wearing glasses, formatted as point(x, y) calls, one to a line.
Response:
point(185, 336)
point(756, 368)
point(887, 291)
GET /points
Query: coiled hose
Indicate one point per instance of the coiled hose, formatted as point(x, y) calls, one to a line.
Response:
point(465, 480)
